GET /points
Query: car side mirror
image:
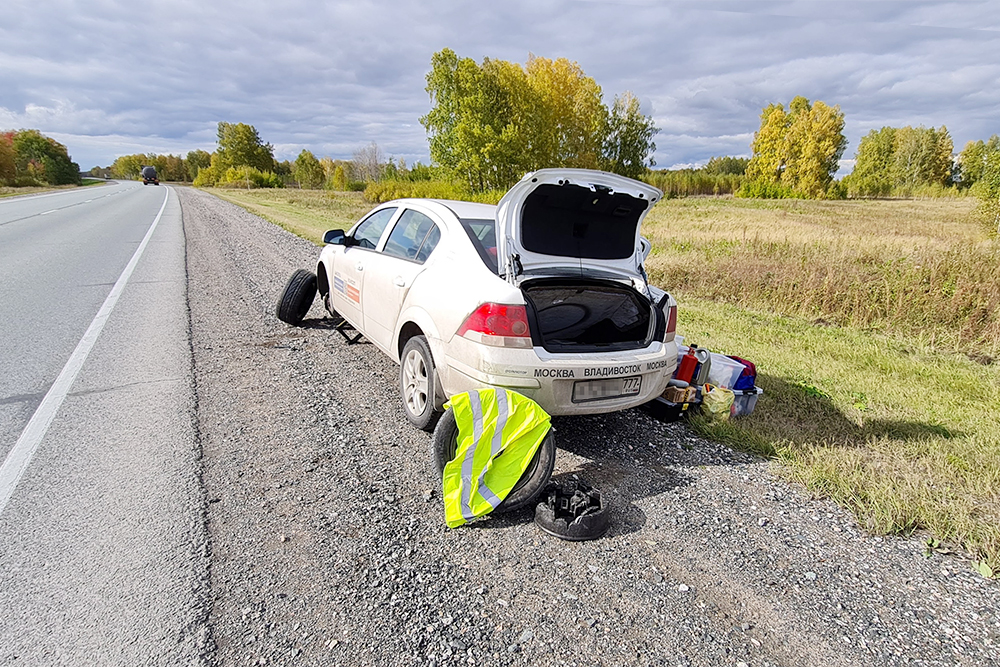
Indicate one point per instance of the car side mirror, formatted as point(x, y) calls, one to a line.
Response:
point(335, 237)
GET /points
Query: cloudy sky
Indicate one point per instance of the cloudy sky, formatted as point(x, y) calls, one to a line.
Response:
point(111, 78)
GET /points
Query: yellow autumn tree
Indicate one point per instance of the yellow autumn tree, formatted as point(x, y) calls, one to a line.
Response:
point(796, 152)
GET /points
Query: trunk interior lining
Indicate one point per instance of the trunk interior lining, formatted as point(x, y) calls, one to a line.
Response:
point(587, 315)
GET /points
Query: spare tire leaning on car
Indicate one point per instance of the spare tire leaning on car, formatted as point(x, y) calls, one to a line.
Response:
point(531, 483)
point(297, 297)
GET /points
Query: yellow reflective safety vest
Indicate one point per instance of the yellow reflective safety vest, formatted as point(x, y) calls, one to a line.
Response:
point(499, 432)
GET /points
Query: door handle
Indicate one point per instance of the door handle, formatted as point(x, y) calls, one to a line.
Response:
point(398, 281)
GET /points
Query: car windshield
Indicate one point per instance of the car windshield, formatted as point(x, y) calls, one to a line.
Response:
point(483, 234)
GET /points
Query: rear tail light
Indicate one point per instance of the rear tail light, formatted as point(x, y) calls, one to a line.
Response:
point(499, 325)
point(671, 330)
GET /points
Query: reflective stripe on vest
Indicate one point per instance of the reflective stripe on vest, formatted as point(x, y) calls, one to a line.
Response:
point(491, 422)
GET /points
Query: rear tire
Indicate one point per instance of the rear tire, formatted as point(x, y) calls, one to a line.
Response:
point(297, 297)
point(418, 383)
point(532, 481)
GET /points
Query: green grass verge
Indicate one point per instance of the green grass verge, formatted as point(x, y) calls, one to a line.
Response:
point(906, 437)
point(305, 213)
point(6, 191)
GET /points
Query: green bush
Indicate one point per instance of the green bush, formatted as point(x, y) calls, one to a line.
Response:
point(383, 191)
point(487, 197)
point(207, 177)
point(763, 190)
point(249, 177)
point(837, 190)
point(690, 182)
point(26, 181)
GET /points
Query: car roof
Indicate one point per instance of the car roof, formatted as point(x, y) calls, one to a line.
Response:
point(461, 209)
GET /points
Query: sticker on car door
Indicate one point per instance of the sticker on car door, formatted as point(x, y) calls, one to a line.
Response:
point(347, 288)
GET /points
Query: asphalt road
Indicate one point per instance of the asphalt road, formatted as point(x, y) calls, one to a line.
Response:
point(102, 555)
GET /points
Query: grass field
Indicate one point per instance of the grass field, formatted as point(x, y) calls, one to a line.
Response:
point(921, 269)
point(872, 397)
point(306, 213)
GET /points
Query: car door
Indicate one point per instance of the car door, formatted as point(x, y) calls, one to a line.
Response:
point(390, 274)
point(350, 266)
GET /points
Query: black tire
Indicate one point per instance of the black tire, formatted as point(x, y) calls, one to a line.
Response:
point(531, 483)
point(297, 298)
point(418, 384)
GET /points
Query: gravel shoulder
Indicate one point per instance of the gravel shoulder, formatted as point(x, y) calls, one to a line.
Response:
point(329, 545)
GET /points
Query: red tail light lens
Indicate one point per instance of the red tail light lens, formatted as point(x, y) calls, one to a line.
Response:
point(498, 324)
point(671, 325)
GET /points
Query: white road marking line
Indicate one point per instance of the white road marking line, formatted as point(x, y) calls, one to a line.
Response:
point(47, 212)
point(20, 455)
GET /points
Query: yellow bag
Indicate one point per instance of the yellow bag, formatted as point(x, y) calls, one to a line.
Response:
point(717, 404)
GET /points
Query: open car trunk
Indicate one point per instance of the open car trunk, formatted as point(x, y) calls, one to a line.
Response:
point(585, 315)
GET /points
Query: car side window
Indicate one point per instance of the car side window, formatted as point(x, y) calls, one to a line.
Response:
point(429, 244)
point(414, 237)
point(483, 234)
point(370, 231)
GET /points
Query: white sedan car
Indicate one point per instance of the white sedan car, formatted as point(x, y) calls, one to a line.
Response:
point(544, 294)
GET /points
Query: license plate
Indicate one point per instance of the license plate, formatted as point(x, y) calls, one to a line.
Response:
point(599, 390)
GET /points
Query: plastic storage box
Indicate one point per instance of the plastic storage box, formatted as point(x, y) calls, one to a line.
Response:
point(724, 371)
point(745, 400)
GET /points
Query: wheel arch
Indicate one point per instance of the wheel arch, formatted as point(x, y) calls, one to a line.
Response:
point(322, 281)
point(406, 332)
point(416, 322)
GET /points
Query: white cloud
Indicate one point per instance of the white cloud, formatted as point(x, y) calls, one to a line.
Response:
point(109, 78)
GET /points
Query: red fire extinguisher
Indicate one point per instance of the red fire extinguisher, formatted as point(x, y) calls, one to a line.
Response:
point(685, 370)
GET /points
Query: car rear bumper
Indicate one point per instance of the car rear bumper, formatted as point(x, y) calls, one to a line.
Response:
point(556, 381)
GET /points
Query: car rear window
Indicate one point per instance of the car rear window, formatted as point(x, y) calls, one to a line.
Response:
point(483, 234)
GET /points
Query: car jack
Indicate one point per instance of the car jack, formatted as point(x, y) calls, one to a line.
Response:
point(343, 327)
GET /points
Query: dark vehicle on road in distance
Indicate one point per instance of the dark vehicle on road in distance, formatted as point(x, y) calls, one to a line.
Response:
point(149, 176)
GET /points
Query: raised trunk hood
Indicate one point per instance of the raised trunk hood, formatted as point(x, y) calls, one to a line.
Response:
point(572, 222)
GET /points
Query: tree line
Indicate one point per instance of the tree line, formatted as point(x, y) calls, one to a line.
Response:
point(28, 157)
point(243, 159)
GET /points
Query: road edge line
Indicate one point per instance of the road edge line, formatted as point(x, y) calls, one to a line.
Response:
point(20, 455)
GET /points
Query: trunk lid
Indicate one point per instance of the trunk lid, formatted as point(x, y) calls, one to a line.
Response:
point(573, 222)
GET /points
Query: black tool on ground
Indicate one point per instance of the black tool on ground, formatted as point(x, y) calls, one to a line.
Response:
point(346, 326)
point(667, 411)
point(572, 510)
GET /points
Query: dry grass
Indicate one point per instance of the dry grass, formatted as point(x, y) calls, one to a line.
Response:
point(306, 213)
point(917, 268)
point(7, 191)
